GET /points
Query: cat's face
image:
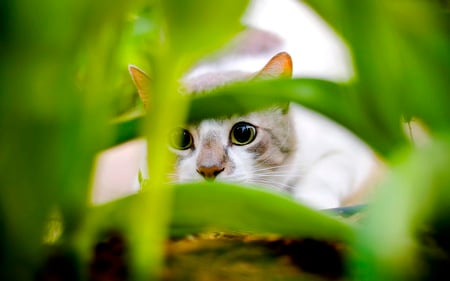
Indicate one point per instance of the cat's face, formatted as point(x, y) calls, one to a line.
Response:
point(252, 149)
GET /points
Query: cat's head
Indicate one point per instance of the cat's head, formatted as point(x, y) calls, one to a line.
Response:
point(255, 148)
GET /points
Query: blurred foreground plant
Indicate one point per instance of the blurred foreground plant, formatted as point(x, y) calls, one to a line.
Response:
point(57, 64)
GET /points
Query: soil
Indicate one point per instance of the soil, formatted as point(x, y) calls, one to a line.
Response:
point(211, 257)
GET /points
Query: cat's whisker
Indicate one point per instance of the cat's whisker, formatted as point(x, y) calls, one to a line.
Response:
point(267, 181)
point(237, 179)
point(271, 168)
point(280, 175)
point(270, 184)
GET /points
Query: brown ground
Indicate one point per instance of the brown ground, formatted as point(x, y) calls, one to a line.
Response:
point(223, 257)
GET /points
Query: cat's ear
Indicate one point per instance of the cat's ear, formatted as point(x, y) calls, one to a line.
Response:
point(278, 66)
point(142, 82)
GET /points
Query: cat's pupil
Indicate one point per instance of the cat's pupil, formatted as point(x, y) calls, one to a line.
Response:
point(181, 139)
point(243, 133)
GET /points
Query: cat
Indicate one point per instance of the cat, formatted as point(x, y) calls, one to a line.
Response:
point(289, 148)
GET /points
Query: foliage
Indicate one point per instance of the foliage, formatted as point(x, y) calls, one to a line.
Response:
point(58, 59)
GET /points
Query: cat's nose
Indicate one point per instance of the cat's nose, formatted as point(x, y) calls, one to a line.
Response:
point(210, 172)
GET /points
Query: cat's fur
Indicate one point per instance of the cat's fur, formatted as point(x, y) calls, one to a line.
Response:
point(295, 151)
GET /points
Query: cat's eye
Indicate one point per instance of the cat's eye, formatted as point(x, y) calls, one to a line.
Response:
point(242, 133)
point(181, 139)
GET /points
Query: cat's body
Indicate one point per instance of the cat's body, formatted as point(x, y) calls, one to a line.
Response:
point(292, 150)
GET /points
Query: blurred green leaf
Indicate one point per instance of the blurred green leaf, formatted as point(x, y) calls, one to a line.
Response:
point(198, 27)
point(413, 195)
point(336, 101)
point(126, 130)
point(400, 53)
point(52, 117)
point(188, 29)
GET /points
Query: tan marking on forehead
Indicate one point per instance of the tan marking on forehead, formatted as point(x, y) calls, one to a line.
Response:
point(212, 138)
point(211, 131)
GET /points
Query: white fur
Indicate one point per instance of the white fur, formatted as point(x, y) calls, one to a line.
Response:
point(336, 163)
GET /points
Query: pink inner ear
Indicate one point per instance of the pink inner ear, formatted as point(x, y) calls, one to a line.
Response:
point(279, 65)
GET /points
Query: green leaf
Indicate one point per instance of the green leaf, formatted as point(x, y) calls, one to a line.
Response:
point(197, 27)
point(220, 206)
point(206, 206)
point(54, 84)
point(413, 197)
point(401, 58)
point(126, 130)
point(334, 100)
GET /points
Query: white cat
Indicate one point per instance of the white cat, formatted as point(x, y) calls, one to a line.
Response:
point(289, 149)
